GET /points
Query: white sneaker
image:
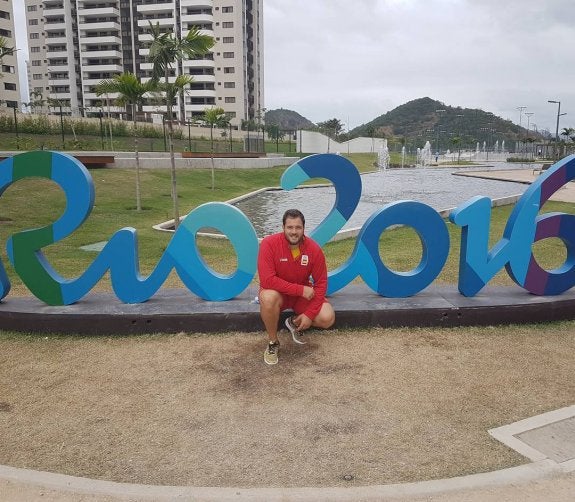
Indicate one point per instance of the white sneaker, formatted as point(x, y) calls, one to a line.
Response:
point(295, 333)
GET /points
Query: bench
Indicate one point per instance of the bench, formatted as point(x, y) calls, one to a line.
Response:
point(88, 160)
point(95, 160)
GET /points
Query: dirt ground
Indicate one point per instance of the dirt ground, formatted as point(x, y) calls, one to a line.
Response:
point(349, 408)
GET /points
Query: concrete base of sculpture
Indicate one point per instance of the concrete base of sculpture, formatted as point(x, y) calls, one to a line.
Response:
point(177, 310)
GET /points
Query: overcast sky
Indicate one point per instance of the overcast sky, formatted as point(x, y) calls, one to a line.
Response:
point(355, 60)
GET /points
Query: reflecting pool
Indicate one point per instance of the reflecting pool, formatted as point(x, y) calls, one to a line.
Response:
point(436, 187)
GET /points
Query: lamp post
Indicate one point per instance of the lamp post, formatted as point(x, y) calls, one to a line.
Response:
point(16, 128)
point(556, 153)
point(231, 142)
point(100, 115)
point(437, 138)
point(528, 120)
point(520, 108)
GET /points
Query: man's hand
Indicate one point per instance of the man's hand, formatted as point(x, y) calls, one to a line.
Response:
point(308, 292)
point(302, 322)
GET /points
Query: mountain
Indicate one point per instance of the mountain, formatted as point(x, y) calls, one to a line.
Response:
point(287, 120)
point(428, 119)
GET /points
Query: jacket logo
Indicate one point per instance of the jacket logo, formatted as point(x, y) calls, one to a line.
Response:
point(283, 259)
point(304, 259)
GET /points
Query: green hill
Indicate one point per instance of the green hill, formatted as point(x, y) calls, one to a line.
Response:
point(287, 120)
point(427, 119)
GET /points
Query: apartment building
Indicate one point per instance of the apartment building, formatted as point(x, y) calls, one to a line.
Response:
point(9, 85)
point(74, 44)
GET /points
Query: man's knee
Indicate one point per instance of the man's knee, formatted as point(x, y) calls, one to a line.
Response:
point(325, 318)
point(270, 299)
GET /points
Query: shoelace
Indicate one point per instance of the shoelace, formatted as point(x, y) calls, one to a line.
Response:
point(272, 347)
point(294, 327)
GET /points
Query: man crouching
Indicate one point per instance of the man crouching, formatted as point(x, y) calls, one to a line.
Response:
point(293, 275)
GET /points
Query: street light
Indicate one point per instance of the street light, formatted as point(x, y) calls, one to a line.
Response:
point(557, 126)
point(528, 119)
point(520, 108)
point(437, 138)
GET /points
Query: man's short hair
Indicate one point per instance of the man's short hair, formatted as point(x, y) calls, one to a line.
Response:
point(293, 213)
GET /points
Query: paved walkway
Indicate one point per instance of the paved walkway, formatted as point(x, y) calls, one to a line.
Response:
point(549, 475)
point(564, 194)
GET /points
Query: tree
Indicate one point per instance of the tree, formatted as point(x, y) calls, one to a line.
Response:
point(332, 127)
point(5, 50)
point(214, 117)
point(568, 133)
point(131, 92)
point(165, 51)
point(275, 133)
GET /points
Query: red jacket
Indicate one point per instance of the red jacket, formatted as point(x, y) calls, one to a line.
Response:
point(278, 270)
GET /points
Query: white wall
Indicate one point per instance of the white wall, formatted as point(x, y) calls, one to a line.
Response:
point(316, 142)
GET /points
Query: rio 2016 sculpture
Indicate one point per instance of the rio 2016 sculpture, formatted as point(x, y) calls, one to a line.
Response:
point(478, 264)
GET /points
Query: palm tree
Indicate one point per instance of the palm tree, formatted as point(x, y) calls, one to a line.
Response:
point(5, 50)
point(214, 117)
point(165, 51)
point(131, 91)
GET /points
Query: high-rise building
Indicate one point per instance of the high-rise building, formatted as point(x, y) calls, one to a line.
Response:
point(75, 44)
point(9, 85)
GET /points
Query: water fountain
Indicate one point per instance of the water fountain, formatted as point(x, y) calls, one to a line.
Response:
point(477, 151)
point(496, 147)
point(402, 156)
point(503, 146)
point(383, 156)
point(424, 155)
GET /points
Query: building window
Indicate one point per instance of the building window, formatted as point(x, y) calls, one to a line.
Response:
point(229, 69)
point(8, 69)
point(228, 55)
point(228, 24)
point(9, 87)
point(227, 9)
point(31, 8)
point(229, 85)
point(34, 49)
point(37, 62)
point(230, 99)
point(228, 40)
point(32, 22)
point(34, 36)
point(37, 76)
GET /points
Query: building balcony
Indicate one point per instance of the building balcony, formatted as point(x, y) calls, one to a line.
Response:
point(53, 12)
point(196, 108)
point(108, 25)
point(204, 78)
point(102, 54)
point(198, 63)
point(56, 41)
point(200, 93)
point(163, 22)
point(113, 68)
point(159, 7)
point(207, 4)
point(60, 26)
point(57, 54)
point(59, 82)
point(100, 40)
point(98, 11)
point(197, 18)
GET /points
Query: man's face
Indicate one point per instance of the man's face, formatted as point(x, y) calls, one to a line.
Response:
point(293, 230)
